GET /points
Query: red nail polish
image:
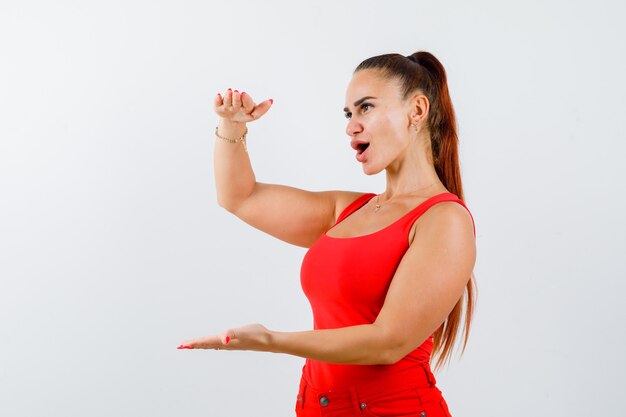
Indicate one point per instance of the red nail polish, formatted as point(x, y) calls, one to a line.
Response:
point(271, 101)
point(229, 89)
point(227, 339)
point(219, 94)
point(236, 91)
point(243, 92)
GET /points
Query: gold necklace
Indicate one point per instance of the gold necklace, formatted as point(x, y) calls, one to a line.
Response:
point(378, 205)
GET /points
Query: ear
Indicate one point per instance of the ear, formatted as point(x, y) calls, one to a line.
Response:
point(419, 109)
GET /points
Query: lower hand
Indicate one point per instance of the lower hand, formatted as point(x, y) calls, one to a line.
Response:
point(249, 337)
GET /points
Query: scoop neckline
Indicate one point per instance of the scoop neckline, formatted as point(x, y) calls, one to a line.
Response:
point(386, 227)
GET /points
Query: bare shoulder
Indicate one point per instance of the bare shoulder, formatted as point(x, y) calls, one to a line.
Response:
point(447, 217)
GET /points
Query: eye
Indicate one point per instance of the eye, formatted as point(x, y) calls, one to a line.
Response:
point(364, 107)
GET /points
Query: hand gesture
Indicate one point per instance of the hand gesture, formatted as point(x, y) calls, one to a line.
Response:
point(239, 107)
point(250, 337)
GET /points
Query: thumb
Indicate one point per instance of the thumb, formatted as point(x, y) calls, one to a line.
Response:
point(262, 108)
point(227, 336)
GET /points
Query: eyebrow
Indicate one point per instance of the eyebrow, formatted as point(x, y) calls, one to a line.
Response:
point(359, 101)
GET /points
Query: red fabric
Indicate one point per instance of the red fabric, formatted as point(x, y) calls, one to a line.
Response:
point(373, 398)
point(346, 280)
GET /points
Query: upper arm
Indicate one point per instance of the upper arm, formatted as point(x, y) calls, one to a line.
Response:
point(291, 214)
point(430, 278)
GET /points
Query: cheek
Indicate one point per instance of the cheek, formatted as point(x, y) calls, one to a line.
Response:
point(395, 129)
point(397, 121)
point(389, 126)
point(385, 123)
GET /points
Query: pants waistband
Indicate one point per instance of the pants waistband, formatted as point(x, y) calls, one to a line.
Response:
point(417, 377)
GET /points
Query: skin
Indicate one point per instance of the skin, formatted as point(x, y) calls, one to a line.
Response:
point(434, 271)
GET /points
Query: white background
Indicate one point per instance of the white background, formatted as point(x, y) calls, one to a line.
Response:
point(113, 249)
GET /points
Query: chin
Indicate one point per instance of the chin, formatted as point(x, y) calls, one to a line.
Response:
point(371, 170)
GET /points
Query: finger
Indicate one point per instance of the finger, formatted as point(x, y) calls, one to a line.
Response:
point(246, 102)
point(228, 97)
point(236, 100)
point(208, 342)
point(218, 101)
point(262, 108)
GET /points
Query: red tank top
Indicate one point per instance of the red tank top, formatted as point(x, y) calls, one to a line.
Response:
point(346, 280)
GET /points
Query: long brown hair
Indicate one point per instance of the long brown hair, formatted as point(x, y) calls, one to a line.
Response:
point(422, 71)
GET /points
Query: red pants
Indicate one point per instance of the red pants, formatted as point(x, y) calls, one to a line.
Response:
point(414, 395)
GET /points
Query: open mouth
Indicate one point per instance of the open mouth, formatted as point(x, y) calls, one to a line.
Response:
point(362, 147)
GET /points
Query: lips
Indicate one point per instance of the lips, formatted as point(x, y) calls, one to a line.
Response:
point(361, 147)
point(358, 144)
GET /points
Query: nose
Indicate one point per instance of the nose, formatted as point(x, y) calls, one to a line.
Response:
point(353, 127)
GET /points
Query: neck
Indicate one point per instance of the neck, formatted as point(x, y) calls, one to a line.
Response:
point(413, 175)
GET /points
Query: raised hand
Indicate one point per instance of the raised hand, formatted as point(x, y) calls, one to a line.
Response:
point(239, 107)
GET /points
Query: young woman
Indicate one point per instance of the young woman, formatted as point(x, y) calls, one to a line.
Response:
point(386, 274)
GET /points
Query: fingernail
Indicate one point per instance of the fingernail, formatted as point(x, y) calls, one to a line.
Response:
point(229, 89)
point(271, 101)
point(243, 92)
point(227, 339)
point(236, 91)
point(219, 94)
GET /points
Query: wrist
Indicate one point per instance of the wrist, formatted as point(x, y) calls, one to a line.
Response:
point(272, 341)
point(233, 132)
point(231, 125)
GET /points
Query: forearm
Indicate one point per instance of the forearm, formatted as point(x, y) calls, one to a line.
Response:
point(365, 344)
point(234, 177)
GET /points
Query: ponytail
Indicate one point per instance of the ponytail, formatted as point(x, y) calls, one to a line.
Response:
point(422, 71)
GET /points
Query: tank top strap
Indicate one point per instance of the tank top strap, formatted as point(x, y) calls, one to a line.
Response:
point(354, 206)
point(421, 209)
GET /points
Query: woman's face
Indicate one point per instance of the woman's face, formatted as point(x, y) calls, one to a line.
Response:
point(377, 115)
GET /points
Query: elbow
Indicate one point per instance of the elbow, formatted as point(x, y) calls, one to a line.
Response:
point(388, 357)
point(229, 206)
point(224, 206)
point(392, 350)
point(231, 203)
point(392, 355)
